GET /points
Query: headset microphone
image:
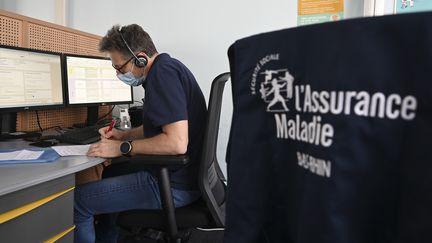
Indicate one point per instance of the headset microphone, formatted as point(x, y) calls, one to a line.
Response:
point(139, 61)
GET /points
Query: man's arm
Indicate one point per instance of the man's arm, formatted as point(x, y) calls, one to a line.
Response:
point(117, 134)
point(135, 133)
point(173, 140)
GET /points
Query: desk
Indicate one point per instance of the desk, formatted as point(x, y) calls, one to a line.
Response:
point(36, 200)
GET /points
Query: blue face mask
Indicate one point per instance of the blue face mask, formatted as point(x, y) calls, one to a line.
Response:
point(130, 79)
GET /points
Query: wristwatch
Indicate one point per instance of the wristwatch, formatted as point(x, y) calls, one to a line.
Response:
point(126, 148)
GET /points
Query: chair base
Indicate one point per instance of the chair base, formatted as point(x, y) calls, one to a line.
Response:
point(152, 236)
point(193, 215)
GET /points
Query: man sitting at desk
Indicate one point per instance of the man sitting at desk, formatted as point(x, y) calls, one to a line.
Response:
point(174, 116)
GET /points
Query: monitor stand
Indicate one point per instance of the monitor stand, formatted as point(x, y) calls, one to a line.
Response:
point(7, 128)
point(1, 124)
point(7, 119)
point(92, 115)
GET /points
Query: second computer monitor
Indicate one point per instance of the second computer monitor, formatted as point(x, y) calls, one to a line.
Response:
point(93, 81)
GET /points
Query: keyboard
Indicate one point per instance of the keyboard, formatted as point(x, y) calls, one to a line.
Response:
point(85, 135)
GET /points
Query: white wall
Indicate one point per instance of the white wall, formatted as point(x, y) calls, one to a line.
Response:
point(389, 6)
point(353, 8)
point(39, 9)
point(196, 32)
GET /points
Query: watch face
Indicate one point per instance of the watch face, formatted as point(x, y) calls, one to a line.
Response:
point(125, 147)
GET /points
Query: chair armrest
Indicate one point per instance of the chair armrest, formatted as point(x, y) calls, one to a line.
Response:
point(160, 160)
point(126, 165)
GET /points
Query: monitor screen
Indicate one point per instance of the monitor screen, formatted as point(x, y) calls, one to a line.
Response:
point(29, 79)
point(92, 80)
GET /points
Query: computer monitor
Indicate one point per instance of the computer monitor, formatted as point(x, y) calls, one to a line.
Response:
point(29, 79)
point(91, 82)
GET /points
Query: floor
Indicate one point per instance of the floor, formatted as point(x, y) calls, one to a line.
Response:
point(196, 236)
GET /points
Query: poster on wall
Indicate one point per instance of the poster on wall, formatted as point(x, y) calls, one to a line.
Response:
point(409, 6)
point(318, 11)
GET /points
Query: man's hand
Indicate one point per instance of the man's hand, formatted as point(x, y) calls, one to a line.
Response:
point(113, 134)
point(106, 148)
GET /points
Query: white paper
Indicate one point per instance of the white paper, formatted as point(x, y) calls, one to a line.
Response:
point(8, 155)
point(21, 155)
point(71, 150)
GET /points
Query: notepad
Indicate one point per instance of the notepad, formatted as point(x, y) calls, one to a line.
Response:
point(71, 150)
point(21, 155)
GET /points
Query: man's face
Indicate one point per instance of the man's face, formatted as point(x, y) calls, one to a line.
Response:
point(121, 64)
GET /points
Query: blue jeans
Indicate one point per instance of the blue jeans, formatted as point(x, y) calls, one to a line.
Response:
point(133, 191)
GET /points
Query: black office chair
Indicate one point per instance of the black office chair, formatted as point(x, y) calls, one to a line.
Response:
point(209, 211)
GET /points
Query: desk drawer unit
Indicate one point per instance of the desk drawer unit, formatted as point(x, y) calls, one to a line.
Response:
point(41, 213)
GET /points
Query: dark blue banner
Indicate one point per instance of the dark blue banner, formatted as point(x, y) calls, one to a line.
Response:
point(331, 133)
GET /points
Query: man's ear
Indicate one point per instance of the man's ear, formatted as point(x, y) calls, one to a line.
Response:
point(142, 54)
point(141, 60)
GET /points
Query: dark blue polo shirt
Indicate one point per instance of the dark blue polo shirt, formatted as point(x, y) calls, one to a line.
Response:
point(172, 94)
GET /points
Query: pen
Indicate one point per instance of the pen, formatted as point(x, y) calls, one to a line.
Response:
point(113, 122)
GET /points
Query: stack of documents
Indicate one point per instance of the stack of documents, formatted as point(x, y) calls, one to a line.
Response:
point(21, 155)
point(71, 150)
point(41, 155)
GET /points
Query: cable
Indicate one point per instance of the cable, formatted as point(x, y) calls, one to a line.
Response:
point(38, 121)
point(56, 128)
point(107, 114)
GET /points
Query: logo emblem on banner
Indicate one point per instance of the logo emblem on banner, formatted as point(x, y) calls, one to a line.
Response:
point(277, 89)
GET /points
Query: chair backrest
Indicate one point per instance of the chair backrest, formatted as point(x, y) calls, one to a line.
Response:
point(210, 183)
point(307, 162)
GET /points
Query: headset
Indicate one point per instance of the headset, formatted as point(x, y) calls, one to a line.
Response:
point(140, 60)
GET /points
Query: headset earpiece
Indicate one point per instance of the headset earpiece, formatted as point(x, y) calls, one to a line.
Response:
point(140, 61)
